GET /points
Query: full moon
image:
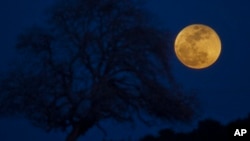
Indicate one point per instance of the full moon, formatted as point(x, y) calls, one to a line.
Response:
point(197, 46)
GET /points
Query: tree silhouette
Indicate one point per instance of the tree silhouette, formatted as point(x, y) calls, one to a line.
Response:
point(207, 130)
point(96, 60)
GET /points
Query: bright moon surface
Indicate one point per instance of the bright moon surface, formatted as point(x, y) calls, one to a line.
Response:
point(197, 46)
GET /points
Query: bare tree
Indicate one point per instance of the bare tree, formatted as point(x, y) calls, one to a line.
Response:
point(97, 60)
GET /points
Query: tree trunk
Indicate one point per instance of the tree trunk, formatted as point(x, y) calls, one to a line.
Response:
point(80, 129)
point(73, 135)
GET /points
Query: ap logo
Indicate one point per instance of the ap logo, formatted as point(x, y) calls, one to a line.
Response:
point(240, 132)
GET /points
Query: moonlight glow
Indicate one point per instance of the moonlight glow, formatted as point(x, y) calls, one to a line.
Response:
point(197, 46)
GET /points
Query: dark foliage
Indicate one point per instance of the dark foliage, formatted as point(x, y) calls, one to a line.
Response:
point(97, 60)
point(207, 130)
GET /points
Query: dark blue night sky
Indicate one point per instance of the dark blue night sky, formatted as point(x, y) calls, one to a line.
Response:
point(223, 89)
